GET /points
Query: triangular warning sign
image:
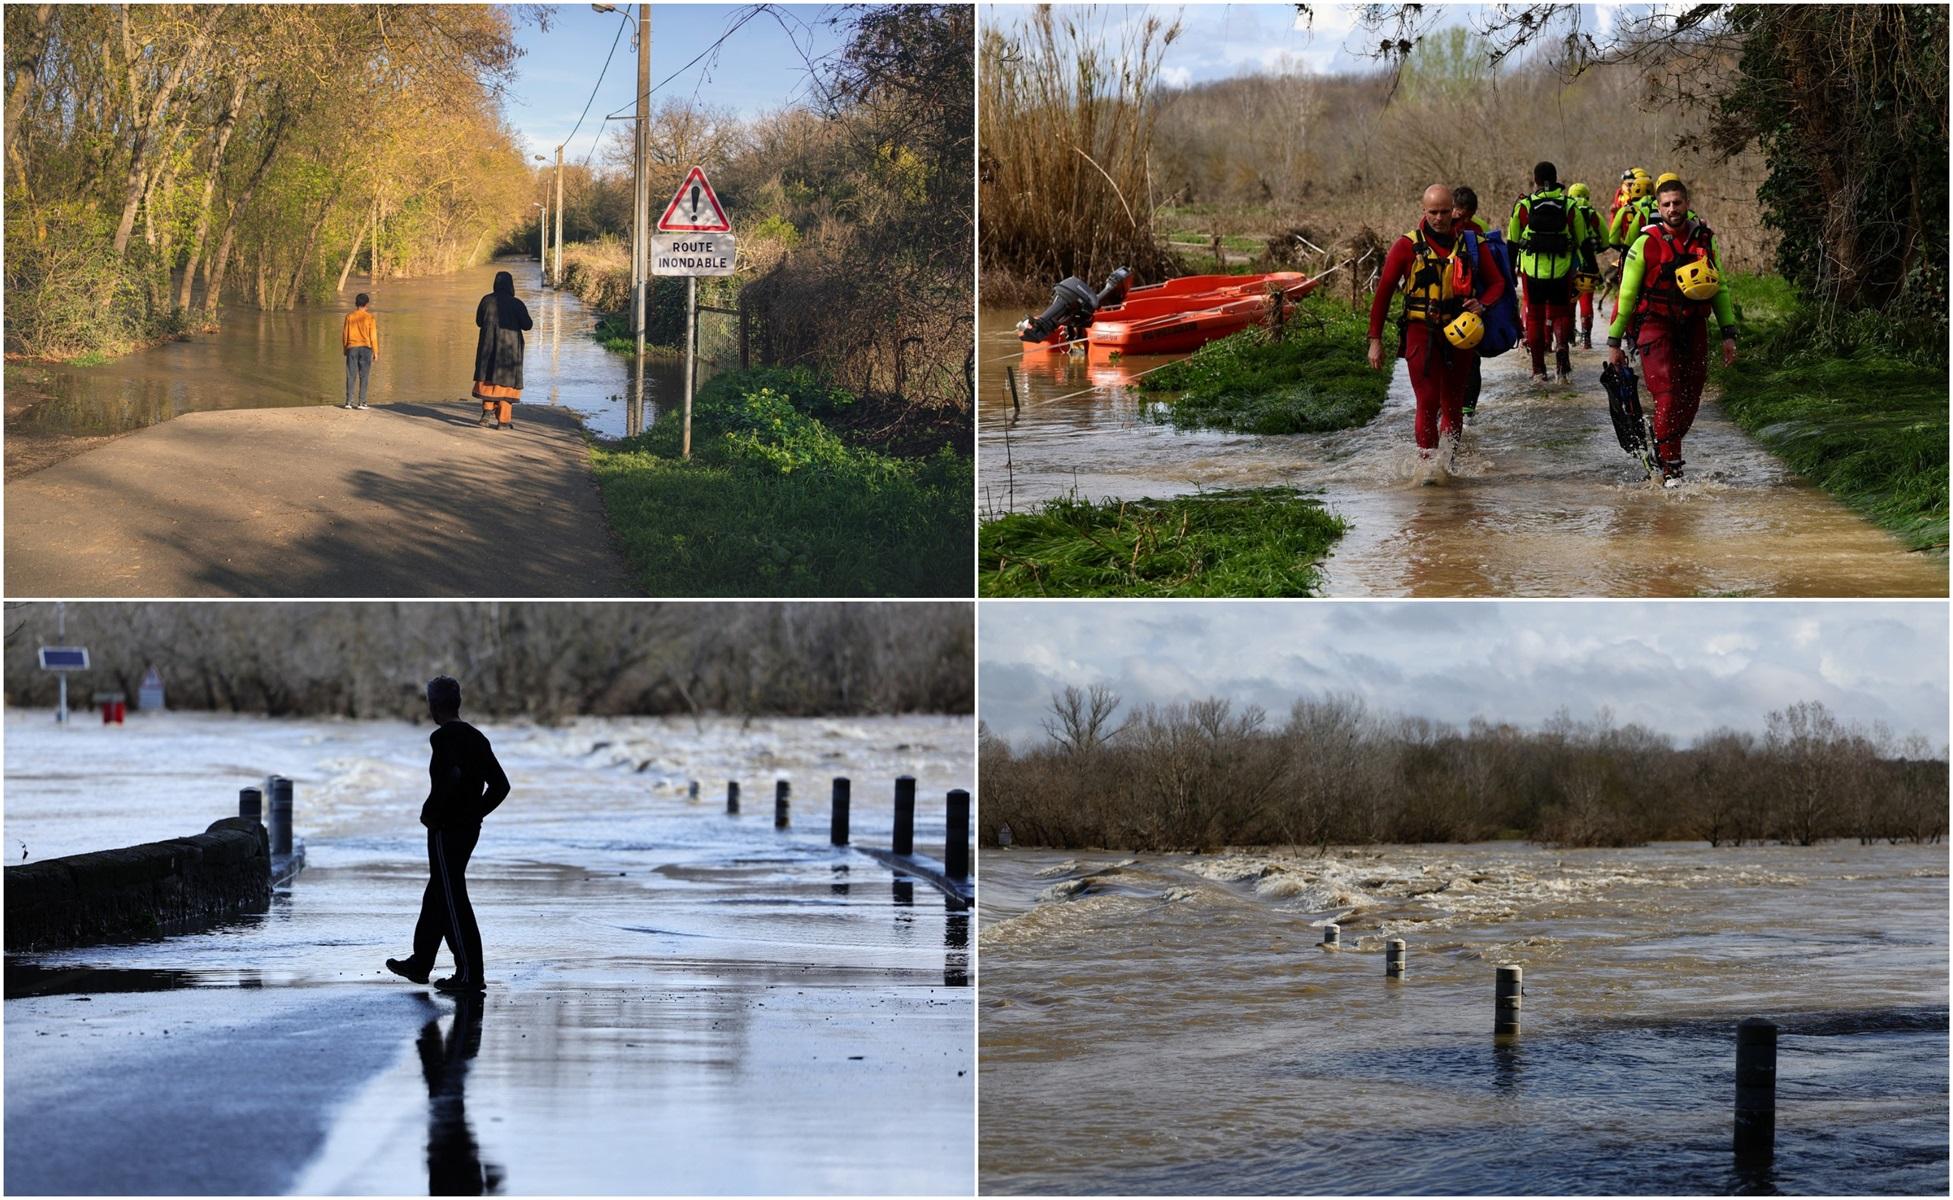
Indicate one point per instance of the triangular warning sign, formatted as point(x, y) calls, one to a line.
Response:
point(695, 209)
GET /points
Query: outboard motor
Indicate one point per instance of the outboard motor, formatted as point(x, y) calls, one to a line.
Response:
point(1072, 304)
point(1116, 286)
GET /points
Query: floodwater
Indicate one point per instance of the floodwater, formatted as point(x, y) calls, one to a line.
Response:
point(1542, 502)
point(1170, 1023)
point(680, 1001)
point(288, 359)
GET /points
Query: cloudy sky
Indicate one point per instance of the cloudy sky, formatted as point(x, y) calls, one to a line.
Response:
point(1682, 668)
point(1219, 41)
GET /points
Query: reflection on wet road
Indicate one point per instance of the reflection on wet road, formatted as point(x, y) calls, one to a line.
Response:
point(1544, 503)
point(668, 978)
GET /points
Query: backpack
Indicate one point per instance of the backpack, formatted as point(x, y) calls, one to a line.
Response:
point(1546, 225)
point(1503, 326)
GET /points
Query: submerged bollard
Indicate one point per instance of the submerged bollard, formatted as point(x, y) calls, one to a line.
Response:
point(780, 804)
point(1756, 1088)
point(732, 798)
point(956, 839)
point(250, 804)
point(1505, 999)
point(1332, 935)
point(904, 815)
point(691, 792)
point(281, 815)
point(1393, 959)
point(837, 831)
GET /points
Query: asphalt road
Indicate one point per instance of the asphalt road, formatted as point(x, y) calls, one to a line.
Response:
point(395, 500)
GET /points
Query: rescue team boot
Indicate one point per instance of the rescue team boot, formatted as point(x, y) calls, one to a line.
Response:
point(1671, 472)
point(1563, 359)
point(1471, 416)
point(1586, 337)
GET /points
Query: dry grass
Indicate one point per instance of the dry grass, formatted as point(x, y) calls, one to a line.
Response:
point(1067, 128)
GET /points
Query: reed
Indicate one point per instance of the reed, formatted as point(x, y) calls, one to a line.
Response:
point(1067, 128)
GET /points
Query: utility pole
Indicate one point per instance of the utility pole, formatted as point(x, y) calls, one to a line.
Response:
point(641, 215)
point(556, 275)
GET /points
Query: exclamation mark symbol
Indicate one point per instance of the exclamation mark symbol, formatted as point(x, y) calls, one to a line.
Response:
point(695, 204)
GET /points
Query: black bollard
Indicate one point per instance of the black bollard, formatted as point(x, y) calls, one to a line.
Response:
point(956, 838)
point(838, 827)
point(904, 814)
point(691, 792)
point(250, 804)
point(1508, 987)
point(281, 815)
point(780, 804)
point(732, 799)
point(1756, 1088)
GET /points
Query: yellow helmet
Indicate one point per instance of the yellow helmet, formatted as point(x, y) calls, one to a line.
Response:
point(1665, 176)
point(1579, 191)
point(1465, 330)
point(1630, 173)
point(1586, 282)
point(1639, 187)
point(1640, 172)
point(1698, 280)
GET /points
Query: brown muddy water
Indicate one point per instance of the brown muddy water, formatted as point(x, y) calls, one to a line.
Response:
point(1170, 1023)
point(1542, 503)
point(291, 359)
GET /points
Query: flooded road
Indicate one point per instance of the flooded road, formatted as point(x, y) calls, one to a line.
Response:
point(1544, 503)
point(680, 1001)
point(1170, 1023)
point(287, 359)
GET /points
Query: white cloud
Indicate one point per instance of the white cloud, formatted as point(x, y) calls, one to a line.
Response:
point(1178, 77)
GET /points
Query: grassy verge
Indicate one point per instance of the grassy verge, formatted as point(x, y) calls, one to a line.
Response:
point(1843, 409)
point(774, 503)
point(1252, 542)
point(1309, 378)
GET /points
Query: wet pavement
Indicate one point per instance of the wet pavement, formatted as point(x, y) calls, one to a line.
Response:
point(1543, 501)
point(680, 1000)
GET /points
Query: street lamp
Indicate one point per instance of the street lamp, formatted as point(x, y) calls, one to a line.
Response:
point(542, 231)
point(542, 258)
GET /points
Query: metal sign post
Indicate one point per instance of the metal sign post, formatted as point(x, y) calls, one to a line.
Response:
point(694, 238)
point(61, 660)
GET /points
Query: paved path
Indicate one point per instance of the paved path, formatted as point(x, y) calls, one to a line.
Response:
point(399, 500)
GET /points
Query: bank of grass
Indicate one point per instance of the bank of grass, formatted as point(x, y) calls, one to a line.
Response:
point(775, 503)
point(1858, 408)
point(1309, 377)
point(1248, 542)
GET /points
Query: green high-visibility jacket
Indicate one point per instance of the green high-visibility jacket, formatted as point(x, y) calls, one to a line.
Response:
point(1555, 265)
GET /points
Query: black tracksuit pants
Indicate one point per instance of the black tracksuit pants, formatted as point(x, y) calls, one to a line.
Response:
point(445, 913)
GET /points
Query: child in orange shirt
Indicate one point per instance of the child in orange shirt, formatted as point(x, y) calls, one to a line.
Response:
point(361, 340)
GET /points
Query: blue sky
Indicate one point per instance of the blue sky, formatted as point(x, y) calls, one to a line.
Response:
point(758, 70)
point(1220, 41)
point(1679, 667)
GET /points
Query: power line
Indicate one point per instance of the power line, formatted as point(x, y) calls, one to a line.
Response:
point(754, 11)
point(622, 20)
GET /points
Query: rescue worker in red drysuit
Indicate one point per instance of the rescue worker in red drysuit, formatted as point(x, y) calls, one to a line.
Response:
point(1437, 286)
point(1670, 332)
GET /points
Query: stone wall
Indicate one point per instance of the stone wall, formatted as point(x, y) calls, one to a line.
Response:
point(139, 891)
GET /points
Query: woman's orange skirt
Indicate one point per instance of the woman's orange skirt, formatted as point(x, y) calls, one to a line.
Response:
point(495, 391)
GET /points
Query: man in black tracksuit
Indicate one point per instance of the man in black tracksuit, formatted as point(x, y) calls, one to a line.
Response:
point(466, 784)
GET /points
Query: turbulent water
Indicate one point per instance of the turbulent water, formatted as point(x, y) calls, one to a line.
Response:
point(1171, 1024)
point(1544, 503)
point(283, 359)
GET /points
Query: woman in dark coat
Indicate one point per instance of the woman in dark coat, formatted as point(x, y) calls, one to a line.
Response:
point(498, 352)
